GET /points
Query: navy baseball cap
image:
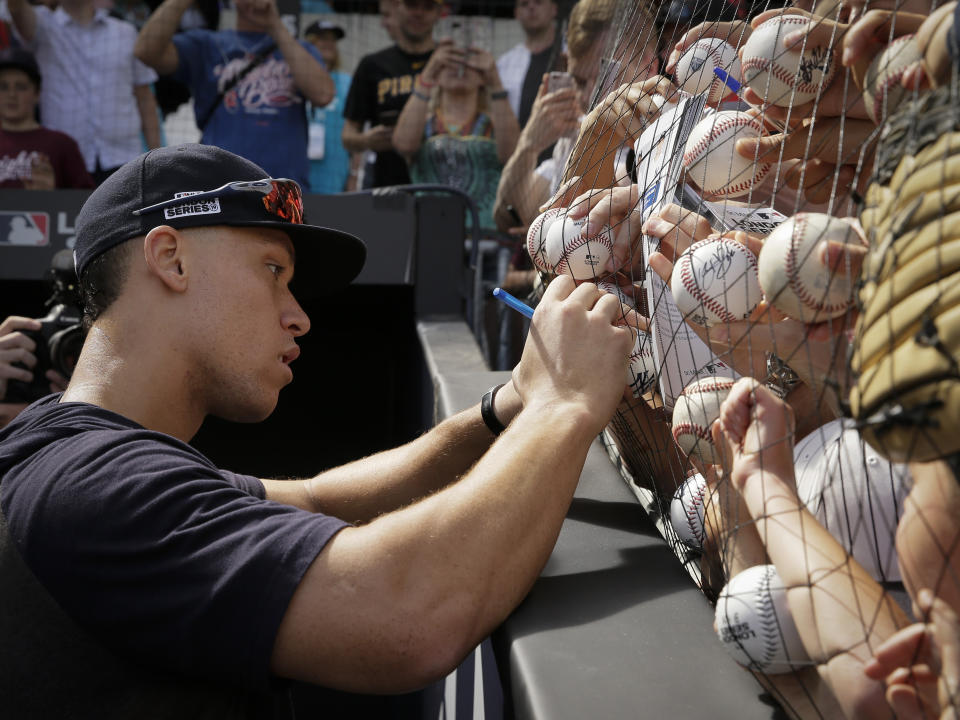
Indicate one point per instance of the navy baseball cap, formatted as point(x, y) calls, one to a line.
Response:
point(22, 60)
point(319, 26)
point(188, 186)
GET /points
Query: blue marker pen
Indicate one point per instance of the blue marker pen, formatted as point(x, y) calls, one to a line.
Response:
point(727, 80)
point(511, 302)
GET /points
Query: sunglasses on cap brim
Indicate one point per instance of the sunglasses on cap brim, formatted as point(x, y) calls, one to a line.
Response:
point(281, 197)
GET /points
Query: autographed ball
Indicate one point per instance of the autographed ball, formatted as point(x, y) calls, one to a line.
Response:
point(694, 70)
point(642, 371)
point(792, 276)
point(780, 76)
point(537, 237)
point(712, 161)
point(715, 281)
point(686, 511)
point(882, 91)
point(569, 250)
point(755, 625)
point(694, 412)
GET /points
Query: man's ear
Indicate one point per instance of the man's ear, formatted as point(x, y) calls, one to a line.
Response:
point(164, 252)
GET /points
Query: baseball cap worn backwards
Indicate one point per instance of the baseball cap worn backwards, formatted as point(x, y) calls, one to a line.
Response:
point(188, 186)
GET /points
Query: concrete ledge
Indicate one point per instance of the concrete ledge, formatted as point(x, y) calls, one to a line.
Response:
point(614, 627)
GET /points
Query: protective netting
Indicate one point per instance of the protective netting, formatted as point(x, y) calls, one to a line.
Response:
point(773, 194)
point(785, 231)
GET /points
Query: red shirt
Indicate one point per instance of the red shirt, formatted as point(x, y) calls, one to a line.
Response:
point(17, 150)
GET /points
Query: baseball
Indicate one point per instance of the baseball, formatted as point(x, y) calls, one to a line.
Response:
point(569, 251)
point(712, 161)
point(715, 281)
point(537, 238)
point(694, 71)
point(792, 276)
point(780, 76)
point(641, 372)
point(611, 287)
point(694, 412)
point(686, 511)
point(882, 91)
point(755, 625)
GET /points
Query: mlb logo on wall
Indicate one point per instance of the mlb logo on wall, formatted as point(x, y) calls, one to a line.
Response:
point(24, 228)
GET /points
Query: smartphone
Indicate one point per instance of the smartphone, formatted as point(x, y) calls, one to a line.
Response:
point(559, 80)
point(388, 117)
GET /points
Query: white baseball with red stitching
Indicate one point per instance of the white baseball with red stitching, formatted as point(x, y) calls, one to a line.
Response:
point(793, 278)
point(712, 161)
point(882, 91)
point(780, 76)
point(608, 286)
point(642, 370)
point(694, 412)
point(715, 281)
point(537, 238)
point(694, 70)
point(686, 511)
point(754, 622)
point(571, 251)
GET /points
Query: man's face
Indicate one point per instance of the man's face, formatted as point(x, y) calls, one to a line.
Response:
point(247, 319)
point(535, 15)
point(18, 96)
point(416, 18)
point(326, 44)
point(388, 17)
point(256, 12)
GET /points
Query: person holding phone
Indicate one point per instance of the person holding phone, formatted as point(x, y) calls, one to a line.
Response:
point(381, 86)
point(457, 127)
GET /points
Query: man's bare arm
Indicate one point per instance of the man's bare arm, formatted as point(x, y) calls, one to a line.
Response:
point(362, 490)
point(149, 120)
point(396, 603)
point(309, 75)
point(154, 46)
point(24, 18)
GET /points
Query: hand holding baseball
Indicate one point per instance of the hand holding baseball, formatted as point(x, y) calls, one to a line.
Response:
point(735, 33)
point(575, 356)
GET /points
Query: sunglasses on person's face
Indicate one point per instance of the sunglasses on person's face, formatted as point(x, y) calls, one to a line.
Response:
point(281, 197)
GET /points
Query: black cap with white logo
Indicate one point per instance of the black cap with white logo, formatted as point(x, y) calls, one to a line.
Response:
point(201, 185)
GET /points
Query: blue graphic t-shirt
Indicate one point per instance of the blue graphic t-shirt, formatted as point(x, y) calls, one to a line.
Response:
point(262, 117)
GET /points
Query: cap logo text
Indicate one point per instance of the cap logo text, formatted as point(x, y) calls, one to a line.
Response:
point(209, 206)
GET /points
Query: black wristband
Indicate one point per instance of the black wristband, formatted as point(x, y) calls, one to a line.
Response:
point(499, 95)
point(486, 411)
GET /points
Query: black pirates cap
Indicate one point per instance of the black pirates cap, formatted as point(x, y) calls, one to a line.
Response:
point(188, 186)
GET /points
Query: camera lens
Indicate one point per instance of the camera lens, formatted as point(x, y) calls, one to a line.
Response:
point(65, 349)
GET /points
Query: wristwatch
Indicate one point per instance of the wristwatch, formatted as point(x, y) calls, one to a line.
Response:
point(780, 377)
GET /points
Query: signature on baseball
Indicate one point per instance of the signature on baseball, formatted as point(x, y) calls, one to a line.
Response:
point(715, 268)
point(819, 58)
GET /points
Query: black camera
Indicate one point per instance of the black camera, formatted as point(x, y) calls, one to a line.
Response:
point(61, 332)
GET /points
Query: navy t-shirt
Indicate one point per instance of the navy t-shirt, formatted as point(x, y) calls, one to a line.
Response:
point(163, 557)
